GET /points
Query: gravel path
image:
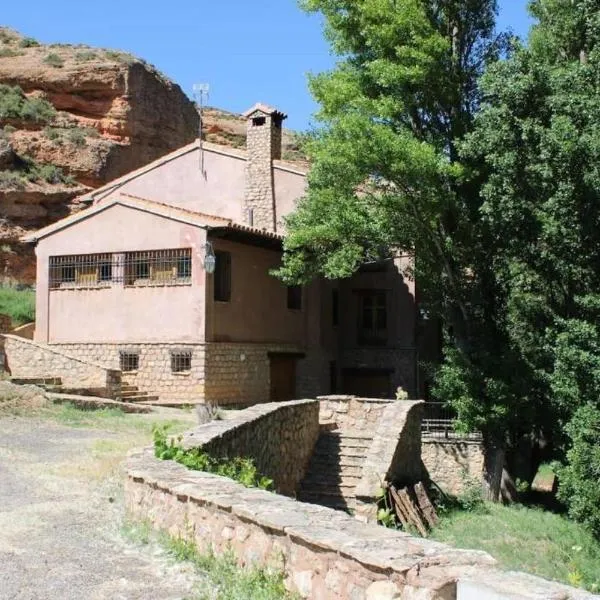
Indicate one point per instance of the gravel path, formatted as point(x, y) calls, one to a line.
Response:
point(61, 520)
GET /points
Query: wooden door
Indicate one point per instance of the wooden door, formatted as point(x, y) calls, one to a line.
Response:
point(283, 377)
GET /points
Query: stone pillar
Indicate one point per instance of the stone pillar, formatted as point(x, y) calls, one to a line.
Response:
point(263, 144)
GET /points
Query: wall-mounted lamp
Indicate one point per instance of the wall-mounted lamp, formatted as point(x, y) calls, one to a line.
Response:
point(210, 261)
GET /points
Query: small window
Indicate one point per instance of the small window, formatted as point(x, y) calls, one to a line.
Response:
point(258, 121)
point(181, 361)
point(129, 361)
point(335, 308)
point(222, 276)
point(80, 271)
point(294, 297)
point(372, 318)
point(159, 267)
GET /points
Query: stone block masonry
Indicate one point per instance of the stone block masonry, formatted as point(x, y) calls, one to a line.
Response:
point(154, 373)
point(453, 464)
point(28, 359)
point(280, 437)
point(325, 554)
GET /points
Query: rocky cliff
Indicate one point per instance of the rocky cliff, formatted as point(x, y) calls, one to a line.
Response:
point(71, 119)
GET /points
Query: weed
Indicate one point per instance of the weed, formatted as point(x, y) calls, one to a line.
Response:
point(85, 56)
point(54, 60)
point(28, 42)
point(239, 469)
point(15, 105)
point(19, 305)
point(77, 136)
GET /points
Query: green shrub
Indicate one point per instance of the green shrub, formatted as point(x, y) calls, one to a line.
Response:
point(579, 479)
point(11, 180)
point(52, 133)
point(85, 56)
point(77, 136)
point(239, 469)
point(19, 305)
point(54, 60)
point(9, 52)
point(15, 105)
point(8, 129)
point(28, 42)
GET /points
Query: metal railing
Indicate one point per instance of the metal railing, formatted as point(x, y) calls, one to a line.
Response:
point(438, 422)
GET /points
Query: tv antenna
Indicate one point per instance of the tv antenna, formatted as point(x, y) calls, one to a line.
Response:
point(201, 91)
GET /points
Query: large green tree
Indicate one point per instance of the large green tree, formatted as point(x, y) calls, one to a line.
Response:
point(537, 138)
point(387, 173)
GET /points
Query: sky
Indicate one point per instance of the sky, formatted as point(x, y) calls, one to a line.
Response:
point(247, 51)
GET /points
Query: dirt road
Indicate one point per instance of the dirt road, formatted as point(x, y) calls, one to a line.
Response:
point(61, 513)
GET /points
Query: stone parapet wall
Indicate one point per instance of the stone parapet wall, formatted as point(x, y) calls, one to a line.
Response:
point(453, 464)
point(279, 436)
point(352, 413)
point(28, 359)
point(154, 374)
point(325, 554)
point(239, 374)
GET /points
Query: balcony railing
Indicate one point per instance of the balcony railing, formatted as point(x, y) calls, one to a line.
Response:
point(438, 422)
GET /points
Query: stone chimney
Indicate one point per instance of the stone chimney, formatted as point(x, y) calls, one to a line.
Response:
point(263, 144)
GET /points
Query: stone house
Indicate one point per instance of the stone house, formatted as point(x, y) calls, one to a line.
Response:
point(166, 277)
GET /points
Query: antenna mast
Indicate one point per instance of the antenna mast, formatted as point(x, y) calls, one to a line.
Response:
point(200, 95)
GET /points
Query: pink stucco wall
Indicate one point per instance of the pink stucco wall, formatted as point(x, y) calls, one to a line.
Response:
point(289, 187)
point(258, 309)
point(180, 182)
point(118, 314)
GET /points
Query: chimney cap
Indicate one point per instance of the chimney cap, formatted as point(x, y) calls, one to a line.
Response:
point(265, 109)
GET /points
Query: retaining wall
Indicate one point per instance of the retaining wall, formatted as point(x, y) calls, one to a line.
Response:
point(453, 464)
point(28, 359)
point(280, 437)
point(325, 554)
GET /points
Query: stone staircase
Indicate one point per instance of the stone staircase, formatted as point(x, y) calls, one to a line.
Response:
point(131, 393)
point(49, 384)
point(335, 469)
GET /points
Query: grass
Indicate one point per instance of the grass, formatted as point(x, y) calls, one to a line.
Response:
point(19, 305)
point(226, 580)
point(15, 105)
point(54, 60)
point(527, 539)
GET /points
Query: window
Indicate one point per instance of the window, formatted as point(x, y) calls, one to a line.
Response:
point(80, 270)
point(181, 361)
point(372, 318)
point(335, 308)
point(222, 276)
point(158, 267)
point(129, 361)
point(294, 297)
point(258, 121)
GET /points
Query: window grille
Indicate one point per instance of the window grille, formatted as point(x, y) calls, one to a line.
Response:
point(129, 361)
point(154, 267)
point(372, 318)
point(85, 270)
point(294, 297)
point(158, 267)
point(181, 361)
point(222, 276)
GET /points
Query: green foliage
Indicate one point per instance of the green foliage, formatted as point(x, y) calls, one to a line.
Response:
point(121, 57)
point(18, 304)
point(239, 469)
point(527, 539)
point(54, 60)
point(77, 136)
point(9, 53)
point(28, 42)
point(579, 480)
point(15, 105)
point(85, 56)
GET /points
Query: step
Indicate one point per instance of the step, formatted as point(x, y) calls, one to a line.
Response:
point(339, 454)
point(313, 480)
point(337, 461)
point(329, 488)
point(129, 388)
point(51, 381)
point(130, 393)
point(333, 471)
point(331, 501)
point(141, 398)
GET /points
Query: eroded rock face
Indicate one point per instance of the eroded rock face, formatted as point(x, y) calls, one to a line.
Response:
point(110, 113)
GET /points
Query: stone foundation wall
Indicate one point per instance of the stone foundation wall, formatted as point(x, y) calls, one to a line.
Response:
point(453, 464)
point(239, 374)
point(280, 437)
point(349, 412)
point(28, 359)
point(154, 374)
